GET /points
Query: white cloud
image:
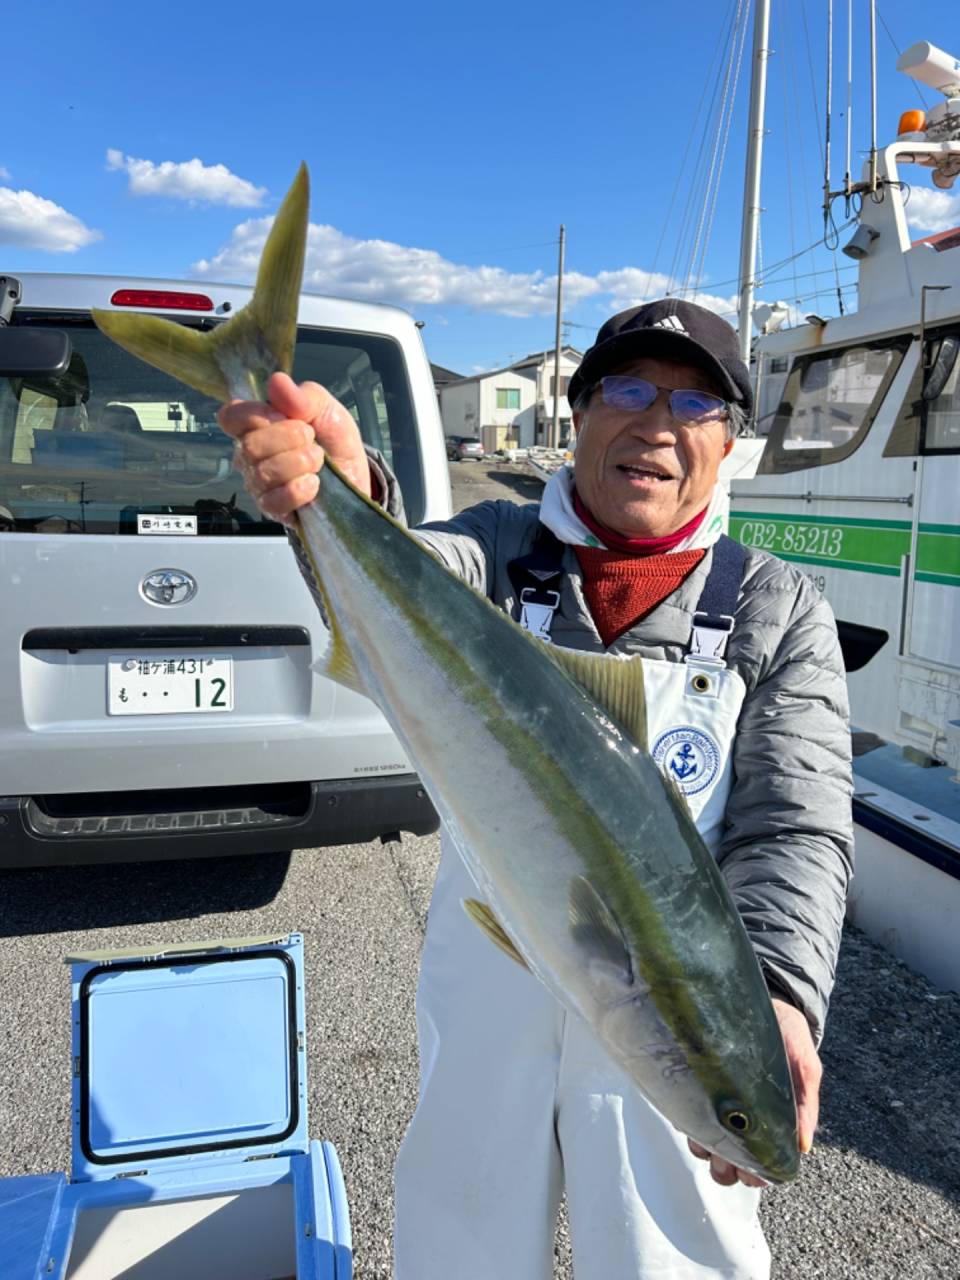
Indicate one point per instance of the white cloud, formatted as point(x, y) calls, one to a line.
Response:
point(4, 172)
point(382, 271)
point(188, 180)
point(932, 211)
point(31, 222)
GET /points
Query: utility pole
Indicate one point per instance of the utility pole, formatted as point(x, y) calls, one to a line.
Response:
point(751, 182)
point(555, 429)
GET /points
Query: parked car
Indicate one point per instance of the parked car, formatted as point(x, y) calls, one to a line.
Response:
point(159, 696)
point(460, 448)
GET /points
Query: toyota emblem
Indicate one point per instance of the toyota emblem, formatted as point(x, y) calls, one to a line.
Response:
point(168, 586)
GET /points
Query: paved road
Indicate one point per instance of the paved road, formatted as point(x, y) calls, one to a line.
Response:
point(877, 1200)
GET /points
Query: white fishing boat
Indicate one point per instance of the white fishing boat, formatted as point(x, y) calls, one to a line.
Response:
point(858, 482)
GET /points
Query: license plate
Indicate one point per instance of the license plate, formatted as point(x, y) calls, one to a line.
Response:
point(168, 683)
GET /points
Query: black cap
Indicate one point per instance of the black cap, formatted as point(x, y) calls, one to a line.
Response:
point(678, 330)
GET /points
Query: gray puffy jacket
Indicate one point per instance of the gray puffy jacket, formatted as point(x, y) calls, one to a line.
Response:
point(787, 850)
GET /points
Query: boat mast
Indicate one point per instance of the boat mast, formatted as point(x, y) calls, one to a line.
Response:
point(751, 183)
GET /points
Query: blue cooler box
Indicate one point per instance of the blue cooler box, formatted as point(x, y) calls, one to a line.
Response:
point(190, 1150)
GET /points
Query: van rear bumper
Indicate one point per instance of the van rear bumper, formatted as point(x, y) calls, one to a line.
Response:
point(143, 826)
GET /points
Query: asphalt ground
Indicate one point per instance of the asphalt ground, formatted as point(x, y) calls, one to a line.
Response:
point(878, 1199)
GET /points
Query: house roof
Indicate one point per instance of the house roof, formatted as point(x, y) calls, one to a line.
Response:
point(442, 375)
point(537, 358)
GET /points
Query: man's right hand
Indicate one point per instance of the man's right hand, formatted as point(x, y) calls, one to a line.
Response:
point(281, 445)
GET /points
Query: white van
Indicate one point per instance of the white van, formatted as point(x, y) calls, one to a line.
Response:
point(158, 696)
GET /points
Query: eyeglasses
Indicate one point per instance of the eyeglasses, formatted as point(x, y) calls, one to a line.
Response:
point(637, 394)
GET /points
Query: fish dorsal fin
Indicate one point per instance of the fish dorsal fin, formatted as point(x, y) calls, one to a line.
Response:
point(596, 929)
point(615, 683)
point(481, 915)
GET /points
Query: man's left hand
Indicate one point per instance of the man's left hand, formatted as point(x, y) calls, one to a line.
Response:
point(805, 1070)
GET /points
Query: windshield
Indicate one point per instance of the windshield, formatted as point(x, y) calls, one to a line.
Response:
point(115, 446)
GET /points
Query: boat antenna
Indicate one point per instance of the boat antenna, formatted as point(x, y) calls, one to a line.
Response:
point(827, 201)
point(873, 97)
point(846, 177)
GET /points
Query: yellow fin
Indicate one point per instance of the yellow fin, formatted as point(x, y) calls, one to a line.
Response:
point(276, 297)
point(615, 683)
point(481, 915)
point(337, 662)
point(184, 353)
point(237, 356)
point(596, 928)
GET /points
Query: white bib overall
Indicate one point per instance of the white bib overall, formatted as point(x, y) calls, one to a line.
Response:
point(518, 1100)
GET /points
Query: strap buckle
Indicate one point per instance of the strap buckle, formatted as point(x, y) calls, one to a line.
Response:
point(709, 636)
point(537, 608)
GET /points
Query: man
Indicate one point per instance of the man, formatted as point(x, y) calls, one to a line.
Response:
point(517, 1101)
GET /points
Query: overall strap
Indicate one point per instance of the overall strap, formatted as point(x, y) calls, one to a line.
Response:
point(536, 579)
point(713, 617)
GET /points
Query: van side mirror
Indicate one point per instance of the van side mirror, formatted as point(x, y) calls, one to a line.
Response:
point(33, 353)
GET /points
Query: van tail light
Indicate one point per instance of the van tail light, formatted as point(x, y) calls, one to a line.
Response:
point(162, 299)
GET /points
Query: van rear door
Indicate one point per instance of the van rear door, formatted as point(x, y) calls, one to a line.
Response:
point(155, 632)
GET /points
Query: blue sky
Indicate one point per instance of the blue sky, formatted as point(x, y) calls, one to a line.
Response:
point(445, 144)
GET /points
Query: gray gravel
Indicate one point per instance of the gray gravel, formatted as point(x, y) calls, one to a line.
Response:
point(877, 1200)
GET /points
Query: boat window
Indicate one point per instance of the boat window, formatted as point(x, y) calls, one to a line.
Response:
point(112, 442)
point(941, 396)
point(929, 418)
point(770, 393)
point(829, 403)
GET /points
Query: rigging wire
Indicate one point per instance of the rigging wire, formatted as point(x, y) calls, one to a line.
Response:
point(710, 137)
point(697, 268)
point(783, 262)
point(708, 79)
point(898, 51)
point(688, 212)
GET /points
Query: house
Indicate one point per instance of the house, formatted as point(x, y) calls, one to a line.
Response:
point(442, 377)
point(510, 407)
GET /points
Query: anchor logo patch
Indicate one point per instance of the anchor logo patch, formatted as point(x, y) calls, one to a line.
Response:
point(689, 757)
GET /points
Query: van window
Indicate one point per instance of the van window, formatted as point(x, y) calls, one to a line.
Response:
point(829, 402)
point(113, 439)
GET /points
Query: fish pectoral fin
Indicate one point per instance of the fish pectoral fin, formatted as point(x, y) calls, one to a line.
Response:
point(337, 662)
point(184, 353)
point(596, 930)
point(615, 683)
point(481, 915)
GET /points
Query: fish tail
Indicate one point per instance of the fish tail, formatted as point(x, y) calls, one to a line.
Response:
point(235, 358)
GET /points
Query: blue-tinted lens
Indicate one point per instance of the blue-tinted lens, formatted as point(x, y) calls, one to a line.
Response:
point(692, 406)
point(635, 394)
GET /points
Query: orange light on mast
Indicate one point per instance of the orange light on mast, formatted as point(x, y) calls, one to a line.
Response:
point(912, 122)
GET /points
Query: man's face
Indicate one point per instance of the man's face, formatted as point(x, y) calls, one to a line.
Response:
point(645, 475)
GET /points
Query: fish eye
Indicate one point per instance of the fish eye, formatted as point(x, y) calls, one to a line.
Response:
point(734, 1118)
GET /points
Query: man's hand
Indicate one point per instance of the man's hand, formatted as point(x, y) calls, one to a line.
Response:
point(806, 1072)
point(281, 445)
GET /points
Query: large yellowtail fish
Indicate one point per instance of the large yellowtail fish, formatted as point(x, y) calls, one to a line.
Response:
point(589, 866)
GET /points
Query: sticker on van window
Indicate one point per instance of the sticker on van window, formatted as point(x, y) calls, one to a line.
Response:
point(167, 524)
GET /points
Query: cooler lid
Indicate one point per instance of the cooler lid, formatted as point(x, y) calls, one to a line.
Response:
point(188, 1053)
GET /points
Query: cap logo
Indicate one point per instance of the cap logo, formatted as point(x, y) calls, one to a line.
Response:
point(670, 322)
